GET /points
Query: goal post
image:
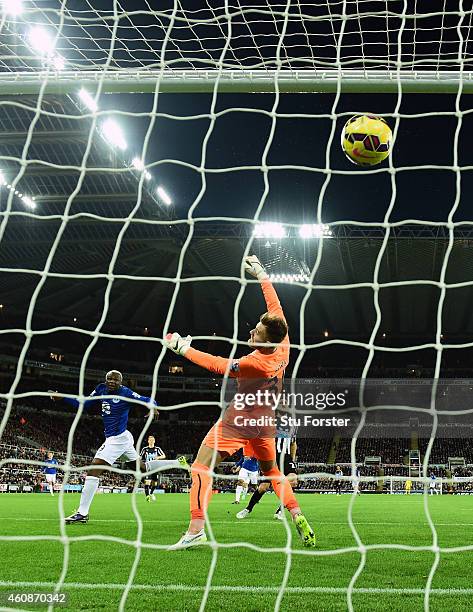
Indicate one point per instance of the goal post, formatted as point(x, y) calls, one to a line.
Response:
point(240, 81)
point(302, 48)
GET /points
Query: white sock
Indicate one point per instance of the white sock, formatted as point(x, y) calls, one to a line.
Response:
point(168, 464)
point(51, 490)
point(238, 493)
point(88, 492)
point(244, 493)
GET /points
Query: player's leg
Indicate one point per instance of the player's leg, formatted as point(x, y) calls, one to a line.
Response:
point(289, 469)
point(213, 449)
point(153, 487)
point(254, 499)
point(200, 494)
point(50, 479)
point(240, 486)
point(292, 478)
point(253, 480)
point(113, 448)
point(264, 451)
point(88, 491)
point(147, 484)
point(167, 464)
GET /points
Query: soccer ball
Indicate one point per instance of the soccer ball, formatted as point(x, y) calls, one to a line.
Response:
point(366, 140)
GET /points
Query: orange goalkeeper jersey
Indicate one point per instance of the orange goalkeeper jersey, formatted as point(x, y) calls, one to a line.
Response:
point(256, 365)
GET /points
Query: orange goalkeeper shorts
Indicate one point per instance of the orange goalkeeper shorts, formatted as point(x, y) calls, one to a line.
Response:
point(263, 449)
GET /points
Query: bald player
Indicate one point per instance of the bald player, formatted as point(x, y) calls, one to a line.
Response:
point(118, 443)
point(261, 369)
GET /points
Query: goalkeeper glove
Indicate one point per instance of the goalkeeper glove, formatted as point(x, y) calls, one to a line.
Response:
point(255, 268)
point(176, 343)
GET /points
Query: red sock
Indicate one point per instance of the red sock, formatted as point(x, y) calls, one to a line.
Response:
point(201, 490)
point(282, 488)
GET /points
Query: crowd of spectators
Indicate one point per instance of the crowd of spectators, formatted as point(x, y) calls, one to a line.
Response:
point(391, 450)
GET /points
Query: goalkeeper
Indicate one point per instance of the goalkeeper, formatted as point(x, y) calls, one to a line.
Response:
point(264, 366)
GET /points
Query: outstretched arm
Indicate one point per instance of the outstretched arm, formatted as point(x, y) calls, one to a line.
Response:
point(255, 268)
point(213, 363)
point(72, 401)
point(245, 366)
point(142, 398)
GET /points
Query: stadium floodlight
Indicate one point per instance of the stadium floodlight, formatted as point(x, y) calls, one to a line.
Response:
point(139, 164)
point(113, 133)
point(88, 101)
point(314, 231)
point(12, 7)
point(29, 202)
point(164, 196)
point(270, 230)
point(41, 40)
point(58, 62)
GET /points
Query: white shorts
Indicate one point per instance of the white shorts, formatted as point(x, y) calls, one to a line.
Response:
point(116, 447)
point(432, 485)
point(356, 484)
point(50, 478)
point(248, 476)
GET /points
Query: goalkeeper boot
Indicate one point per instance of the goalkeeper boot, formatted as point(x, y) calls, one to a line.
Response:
point(190, 539)
point(305, 531)
point(76, 518)
point(183, 463)
point(278, 515)
point(243, 513)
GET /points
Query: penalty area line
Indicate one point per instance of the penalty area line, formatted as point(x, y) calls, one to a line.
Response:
point(235, 588)
point(235, 520)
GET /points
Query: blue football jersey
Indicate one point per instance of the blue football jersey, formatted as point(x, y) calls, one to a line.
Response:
point(248, 463)
point(50, 469)
point(114, 410)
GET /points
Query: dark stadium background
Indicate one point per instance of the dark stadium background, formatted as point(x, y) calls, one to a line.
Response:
point(205, 308)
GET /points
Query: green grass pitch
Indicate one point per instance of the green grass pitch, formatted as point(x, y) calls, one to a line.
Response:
point(244, 579)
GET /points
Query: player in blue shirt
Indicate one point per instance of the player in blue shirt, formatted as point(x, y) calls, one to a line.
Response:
point(248, 469)
point(50, 471)
point(433, 484)
point(118, 440)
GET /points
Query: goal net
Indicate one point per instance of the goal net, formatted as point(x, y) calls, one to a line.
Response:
point(146, 150)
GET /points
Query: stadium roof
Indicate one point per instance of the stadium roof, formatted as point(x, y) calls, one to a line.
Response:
point(52, 144)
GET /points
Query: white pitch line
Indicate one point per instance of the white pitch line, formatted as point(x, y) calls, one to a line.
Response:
point(239, 522)
point(233, 588)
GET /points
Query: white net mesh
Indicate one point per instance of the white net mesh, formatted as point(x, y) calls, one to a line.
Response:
point(83, 182)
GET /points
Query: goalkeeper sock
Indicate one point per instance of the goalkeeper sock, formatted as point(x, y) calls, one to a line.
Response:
point(254, 499)
point(90, 487)
point(201, 490)
point(147, 490)
point(238, 493)
point(282, 488)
